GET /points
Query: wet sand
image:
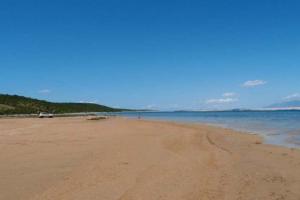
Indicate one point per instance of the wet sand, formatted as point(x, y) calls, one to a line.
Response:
point(123, 159)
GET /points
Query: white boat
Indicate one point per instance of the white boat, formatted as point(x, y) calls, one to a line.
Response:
point(46, 115)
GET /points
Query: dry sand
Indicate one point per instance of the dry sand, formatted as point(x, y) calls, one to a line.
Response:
point(122, 159)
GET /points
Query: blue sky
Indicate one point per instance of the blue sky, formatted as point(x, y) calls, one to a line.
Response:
point(168, 55)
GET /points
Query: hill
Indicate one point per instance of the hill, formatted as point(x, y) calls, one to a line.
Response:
point(14, 104)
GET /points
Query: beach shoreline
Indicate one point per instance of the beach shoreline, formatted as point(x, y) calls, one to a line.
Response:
point(121, 158)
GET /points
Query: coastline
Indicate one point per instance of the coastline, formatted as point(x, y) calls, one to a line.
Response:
point(121, 158)
point(262, 136)
point(276, 127)
point(257, 136)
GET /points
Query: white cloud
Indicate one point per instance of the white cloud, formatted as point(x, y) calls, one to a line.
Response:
point(292, 96)
point(44, 91)
point(221, 100)
point(254, 83)
point(229, 94)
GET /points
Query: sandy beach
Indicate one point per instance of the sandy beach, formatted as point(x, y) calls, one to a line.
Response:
point(125, 159)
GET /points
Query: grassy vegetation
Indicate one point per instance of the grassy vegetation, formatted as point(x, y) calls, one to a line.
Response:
point(14, 104)
point(5, 107)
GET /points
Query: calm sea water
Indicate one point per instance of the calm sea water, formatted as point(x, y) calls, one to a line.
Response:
point(277, 127)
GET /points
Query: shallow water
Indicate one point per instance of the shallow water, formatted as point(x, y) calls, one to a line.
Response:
point(277, 127)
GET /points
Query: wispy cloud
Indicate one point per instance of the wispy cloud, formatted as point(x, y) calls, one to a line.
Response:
point(221, 100)
point(292, 96)
point(44, 91)
point(254, 83)
point(229, 94)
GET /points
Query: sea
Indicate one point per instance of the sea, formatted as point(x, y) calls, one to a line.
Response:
point(276, 127)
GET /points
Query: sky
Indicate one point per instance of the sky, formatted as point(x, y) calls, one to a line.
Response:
point(166, 54)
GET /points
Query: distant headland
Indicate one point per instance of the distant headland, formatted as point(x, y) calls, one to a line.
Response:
point(15, 104)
